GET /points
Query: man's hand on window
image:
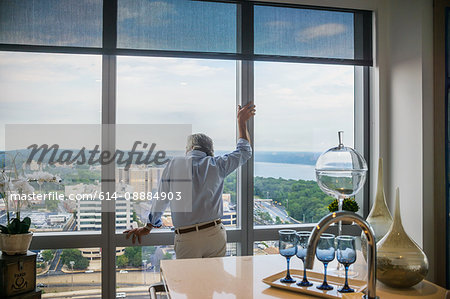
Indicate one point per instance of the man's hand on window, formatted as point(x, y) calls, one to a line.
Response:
point(138, 233)
point(246, 112)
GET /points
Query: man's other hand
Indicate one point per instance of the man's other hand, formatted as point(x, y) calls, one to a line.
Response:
point(137, 232)
point(246, 112)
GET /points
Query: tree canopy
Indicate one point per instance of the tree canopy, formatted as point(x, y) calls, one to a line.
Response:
point(302, 200)
point(75, 255)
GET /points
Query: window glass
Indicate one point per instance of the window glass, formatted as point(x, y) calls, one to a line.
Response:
point(265, 247)
point(69, 273)
point(138, 267)
point(176, 91)
point(52, 89)
point(300, 108)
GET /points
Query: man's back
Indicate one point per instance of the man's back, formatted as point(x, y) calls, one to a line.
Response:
point(207, 175)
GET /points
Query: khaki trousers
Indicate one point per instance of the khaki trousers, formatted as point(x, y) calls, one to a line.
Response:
point(208, 242)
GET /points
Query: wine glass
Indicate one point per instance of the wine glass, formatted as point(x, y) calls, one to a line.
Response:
point(302, 245)
point(325, 253)
point(288, 248)
point(346, 255)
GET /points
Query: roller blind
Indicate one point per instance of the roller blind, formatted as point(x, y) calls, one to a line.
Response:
point(177, 25)
point(303, 32)
point(312, 33)
point(51, 22)
point(219, 29)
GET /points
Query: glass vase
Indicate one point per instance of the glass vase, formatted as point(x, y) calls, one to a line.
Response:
point(341, 172)
point(400, 262)
point(379, 217)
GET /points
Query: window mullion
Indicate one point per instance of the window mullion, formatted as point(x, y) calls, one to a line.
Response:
point(361, 128)
point(108, 141)
point(245, 92)
point(245, 188)
point(108, 177)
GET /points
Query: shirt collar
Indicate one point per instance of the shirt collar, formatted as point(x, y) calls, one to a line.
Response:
point(196, 154)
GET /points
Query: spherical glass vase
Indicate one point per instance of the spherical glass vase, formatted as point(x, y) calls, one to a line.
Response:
point(401, 263)
point(341, 171)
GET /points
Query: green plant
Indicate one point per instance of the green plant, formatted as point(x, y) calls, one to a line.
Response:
point(349, 204)
point(16, 226)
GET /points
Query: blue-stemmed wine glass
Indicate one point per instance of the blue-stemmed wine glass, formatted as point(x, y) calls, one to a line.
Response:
point(325, 253)
point(302, 245)
point(288, 248)
point(346, 255)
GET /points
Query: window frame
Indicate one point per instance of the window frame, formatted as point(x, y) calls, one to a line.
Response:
point(244, 234)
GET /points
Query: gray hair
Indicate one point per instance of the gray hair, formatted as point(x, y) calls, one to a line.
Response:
point(200, 142)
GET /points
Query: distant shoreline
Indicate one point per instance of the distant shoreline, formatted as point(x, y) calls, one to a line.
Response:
point(275, 160)
point(285, 171)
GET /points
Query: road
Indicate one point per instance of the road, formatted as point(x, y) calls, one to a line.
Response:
point(274, 211)
point(56, 263)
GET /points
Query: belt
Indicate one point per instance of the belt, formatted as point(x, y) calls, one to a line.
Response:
point(197, 227)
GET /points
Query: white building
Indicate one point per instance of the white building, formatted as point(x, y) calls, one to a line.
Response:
point(229, 212)
point(89, 210)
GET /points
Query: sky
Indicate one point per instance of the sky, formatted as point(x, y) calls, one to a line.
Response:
point(300, 107)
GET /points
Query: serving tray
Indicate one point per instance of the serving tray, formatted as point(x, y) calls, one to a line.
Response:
point(316, 279)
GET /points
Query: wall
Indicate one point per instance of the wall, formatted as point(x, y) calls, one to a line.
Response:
point(403, 106)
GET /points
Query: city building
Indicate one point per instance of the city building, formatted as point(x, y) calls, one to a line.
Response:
point(96, 253)
point(140, 177)
point(229, 211)
point(89, 210)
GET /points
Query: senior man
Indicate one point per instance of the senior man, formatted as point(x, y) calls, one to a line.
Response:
point(200, 233)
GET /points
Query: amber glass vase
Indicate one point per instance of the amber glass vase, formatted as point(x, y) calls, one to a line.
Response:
point(379, 217)
point(400, 262)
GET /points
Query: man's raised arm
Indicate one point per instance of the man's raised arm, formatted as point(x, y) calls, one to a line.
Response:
point(229, 162)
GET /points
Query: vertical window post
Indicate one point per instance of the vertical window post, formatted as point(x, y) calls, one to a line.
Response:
point(245, 94)
point(108, 143)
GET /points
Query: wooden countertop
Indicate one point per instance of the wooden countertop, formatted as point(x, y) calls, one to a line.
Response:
point(241, 277)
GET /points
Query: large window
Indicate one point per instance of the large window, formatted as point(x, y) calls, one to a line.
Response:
point(300, 109)
point(180, 62)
